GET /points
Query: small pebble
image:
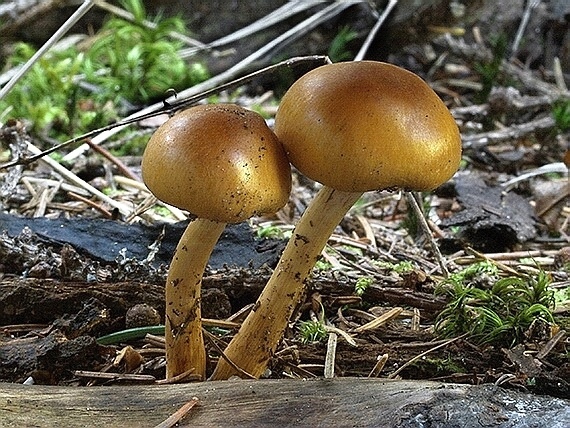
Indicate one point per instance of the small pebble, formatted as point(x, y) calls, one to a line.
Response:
point(141, 315)
point(562, 258)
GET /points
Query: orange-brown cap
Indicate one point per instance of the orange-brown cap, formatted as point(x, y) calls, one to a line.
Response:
point(359, 126)
point(220, 162)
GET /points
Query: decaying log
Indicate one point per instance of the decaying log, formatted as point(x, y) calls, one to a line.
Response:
point(282, 403)
point(26, 300)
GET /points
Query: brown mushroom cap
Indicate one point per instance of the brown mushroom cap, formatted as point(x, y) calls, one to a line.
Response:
point(367, 125)
point(220, 162)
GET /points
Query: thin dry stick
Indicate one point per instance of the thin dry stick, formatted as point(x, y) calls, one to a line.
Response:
point(423, 354)
point(427, 231)
point(187, 98)
point(114, 376)
point(497, 263)
point(127, 172)
point(416, 320)
point(278, 15)
point(530, 5)
point(92, 204)
point(82, 10)
point(559, 75)
point(213, 340)
point(70, 176)
point(287, 37)
point(187, 376)
point(360, 55)
point(177, 416)
point(341, 333)
point(550, 344)
point(381, 361)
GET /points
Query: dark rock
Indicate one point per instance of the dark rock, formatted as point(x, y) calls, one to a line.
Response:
point(104, 240)
point(492, 220)
point(47, 359)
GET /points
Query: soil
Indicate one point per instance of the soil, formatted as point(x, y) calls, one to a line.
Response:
point(71, 269)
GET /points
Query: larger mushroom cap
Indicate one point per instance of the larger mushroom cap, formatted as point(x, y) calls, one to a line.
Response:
point(220, 162)
point(360, 126)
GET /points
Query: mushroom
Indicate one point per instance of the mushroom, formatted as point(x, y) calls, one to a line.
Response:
point(354, 127)
point(222, 164)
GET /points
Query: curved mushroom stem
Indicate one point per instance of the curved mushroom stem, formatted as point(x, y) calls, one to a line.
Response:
point(256, 341)
point(183, 324)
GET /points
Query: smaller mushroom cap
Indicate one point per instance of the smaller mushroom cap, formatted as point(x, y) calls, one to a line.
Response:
point(366, 125)
point(220, 162)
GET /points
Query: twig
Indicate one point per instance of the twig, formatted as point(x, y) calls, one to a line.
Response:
point(70, 176)
point(213, 340)
point(381, 361)
point(559, 75)
point(550, 344)
point(427, 231)
point(127, 172)
point(530, 5)
point(92, 204)
point(415, 320)
point(341, 333)
point(114, 376)
point(513, 132)
point(187, 376)
point(179, 414)
point(494, 261)
point(192, 95)
point(278, 15)
point(71, 21)
point(423, 354)
point(364, 48)
point(127, 183)
point(514, 255)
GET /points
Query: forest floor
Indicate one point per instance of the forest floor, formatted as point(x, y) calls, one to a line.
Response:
point(379, 290)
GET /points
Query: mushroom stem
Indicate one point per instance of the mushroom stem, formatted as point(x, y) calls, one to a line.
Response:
point(183, 326)
point(252, 347)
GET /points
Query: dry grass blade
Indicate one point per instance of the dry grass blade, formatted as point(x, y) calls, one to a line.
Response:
point(71, 21)
point(412, 201)
point(278, 15)
point(187, 376)
point(551, 344)
point(127, 172)
point(74, 179)
point(423, 354)
point(380, 363)
point(148, 24)
point(380, 321)
point(342, 333)
point(188, 97)
point(372, 34)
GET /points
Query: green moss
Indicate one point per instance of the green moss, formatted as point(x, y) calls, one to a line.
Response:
point(495, 310)
point(71, 92)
